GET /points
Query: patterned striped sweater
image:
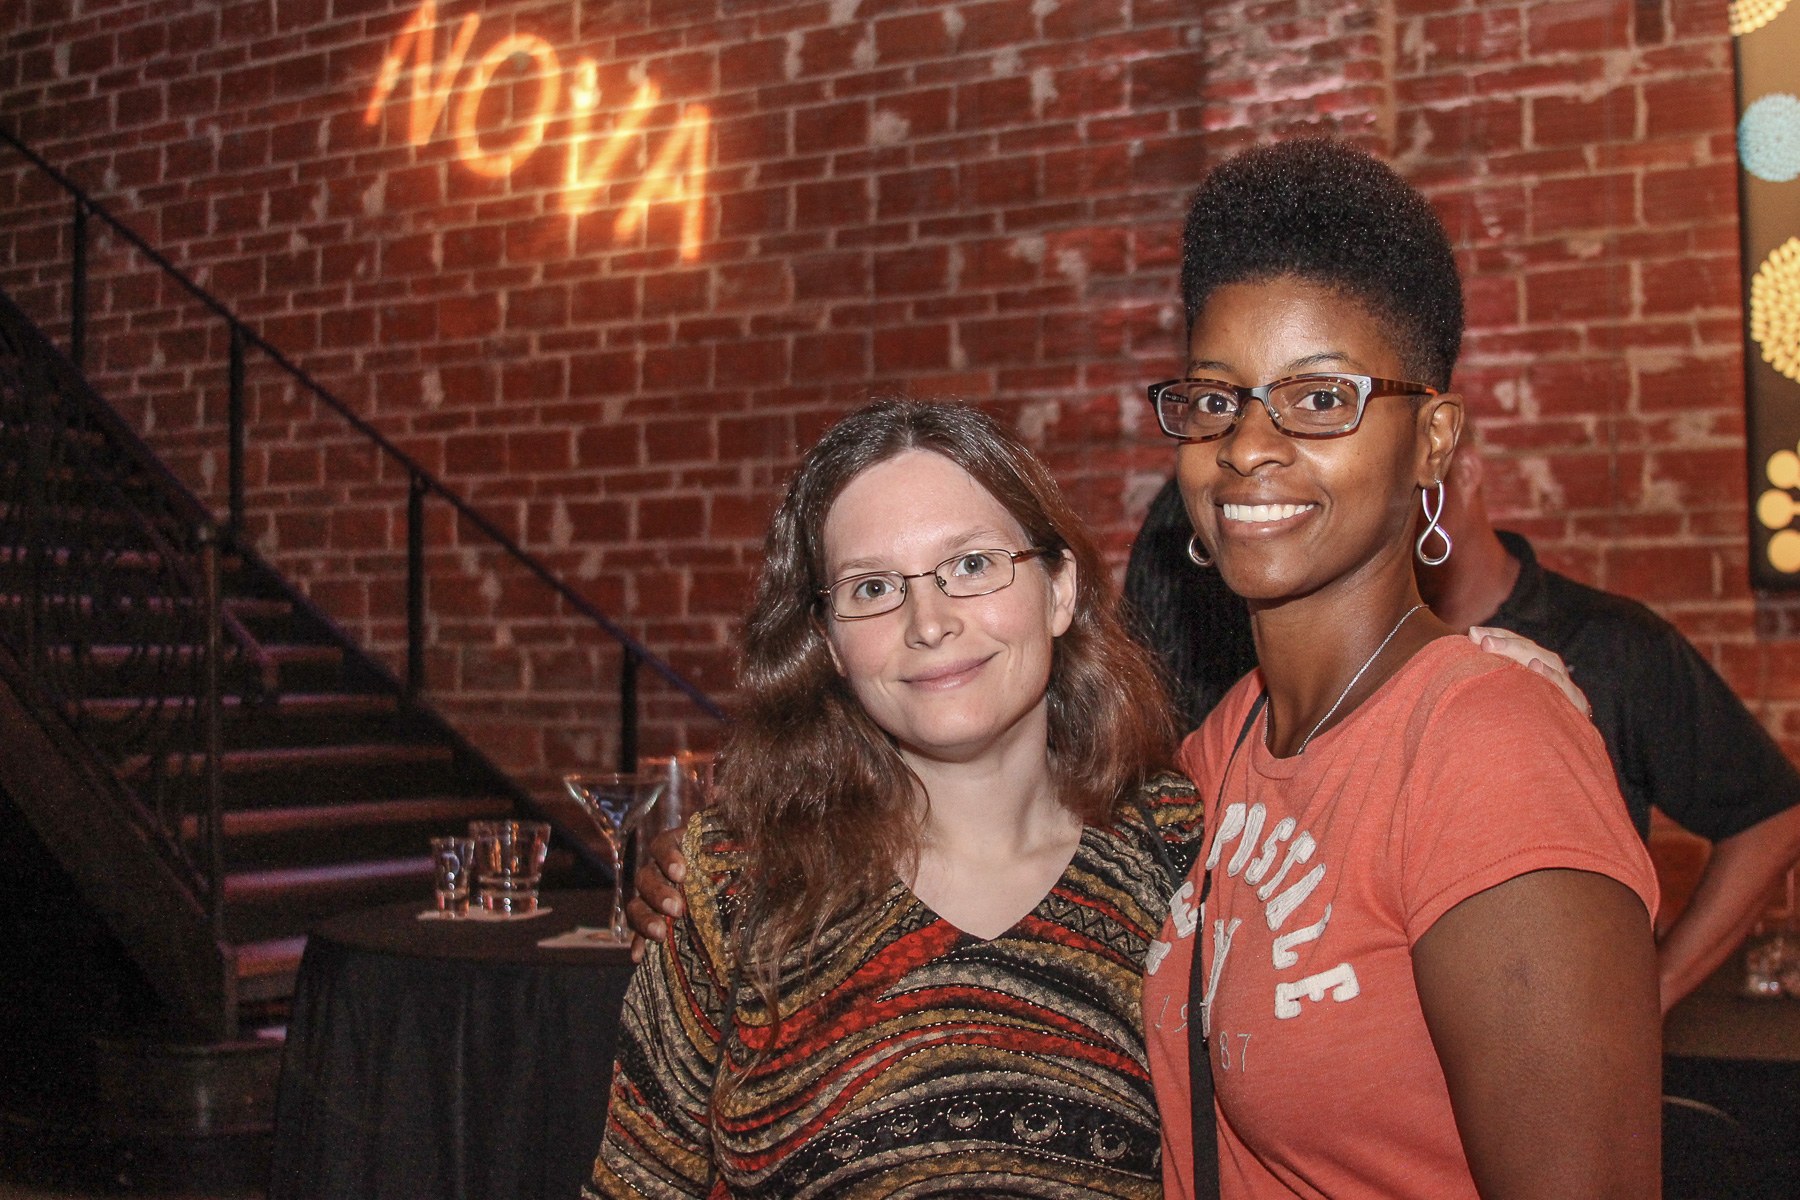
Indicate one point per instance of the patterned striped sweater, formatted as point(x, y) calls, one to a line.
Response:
point(912, 1059)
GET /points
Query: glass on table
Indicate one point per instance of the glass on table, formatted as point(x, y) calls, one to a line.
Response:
point(1765, 957)
point(509, 864)
point(618, 803)
point(687, 786)
point(1772, 951)
point(452, 862)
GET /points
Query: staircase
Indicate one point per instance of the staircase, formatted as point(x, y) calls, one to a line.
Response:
point(150, 667)
point(195, 763)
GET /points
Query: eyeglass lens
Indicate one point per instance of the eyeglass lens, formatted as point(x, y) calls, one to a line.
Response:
point(971, 573)
point(1314, 405)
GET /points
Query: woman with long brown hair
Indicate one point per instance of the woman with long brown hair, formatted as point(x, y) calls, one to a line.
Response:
point(916, 922)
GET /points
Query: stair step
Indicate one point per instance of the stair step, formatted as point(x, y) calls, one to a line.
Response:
point(288, 704)
point(67, 426)
point(266, 969)
point(131, 480)
point(286, 655)
point(273, 957)
point(245, 608)
point(113, 667)
point(266, 608)
point(107, 513)
point(272, 828)
point(295, 720)
point(439, 810)
point(377, 767)
point(134, 560)
point(286, 884)
point(296, 758)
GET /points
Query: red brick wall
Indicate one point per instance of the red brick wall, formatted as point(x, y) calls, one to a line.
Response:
point(977, 199)
point(1598, 224)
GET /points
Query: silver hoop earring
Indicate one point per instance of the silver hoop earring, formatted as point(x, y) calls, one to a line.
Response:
point(1197, 552)
point(1432, 513)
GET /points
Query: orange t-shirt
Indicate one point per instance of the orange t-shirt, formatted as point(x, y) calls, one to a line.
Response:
point(1461, 772)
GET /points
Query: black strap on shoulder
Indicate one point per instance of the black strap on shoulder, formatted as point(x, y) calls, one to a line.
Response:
point(1200, 1081)
point(1161, 851)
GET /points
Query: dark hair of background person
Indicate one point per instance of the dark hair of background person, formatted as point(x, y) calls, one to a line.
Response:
point(1198, 629)
point(1334, 215)
point(819, 798)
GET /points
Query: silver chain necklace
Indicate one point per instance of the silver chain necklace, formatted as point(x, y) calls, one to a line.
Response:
point(1367, 663)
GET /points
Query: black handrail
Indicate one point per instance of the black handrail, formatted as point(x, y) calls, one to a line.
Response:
point(72, 463)
point(421, 481)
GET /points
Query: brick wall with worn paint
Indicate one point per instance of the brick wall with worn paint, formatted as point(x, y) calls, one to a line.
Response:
point(522, 271)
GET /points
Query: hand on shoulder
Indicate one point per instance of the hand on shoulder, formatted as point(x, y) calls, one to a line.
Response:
point(1533, 657)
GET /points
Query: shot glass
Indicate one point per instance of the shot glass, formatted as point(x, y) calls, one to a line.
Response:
point(1769, 953)
point(1772, 951)
point(453, 862)
point(509, 864)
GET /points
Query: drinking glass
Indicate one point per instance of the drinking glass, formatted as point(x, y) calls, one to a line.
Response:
point(509, 863)
point(1765, 955)
point(617, 803)
point(1772, 951)
point(453, 861)
point(687, 786)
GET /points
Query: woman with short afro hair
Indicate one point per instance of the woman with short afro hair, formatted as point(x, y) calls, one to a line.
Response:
point(1417, 954)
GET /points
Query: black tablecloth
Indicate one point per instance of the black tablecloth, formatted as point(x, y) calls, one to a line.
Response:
point(1718, 1022)
point(1734, 1066)
point(449, 1060)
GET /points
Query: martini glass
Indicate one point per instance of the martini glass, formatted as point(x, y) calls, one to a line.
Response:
point(617, 804)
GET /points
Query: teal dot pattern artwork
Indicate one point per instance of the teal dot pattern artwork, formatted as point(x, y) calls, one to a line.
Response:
point(1769, 138)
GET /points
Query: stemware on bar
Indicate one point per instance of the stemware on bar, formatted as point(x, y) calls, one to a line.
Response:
point(617, 803)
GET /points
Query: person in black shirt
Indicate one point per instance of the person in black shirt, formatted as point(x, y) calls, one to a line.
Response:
point(1679, 738)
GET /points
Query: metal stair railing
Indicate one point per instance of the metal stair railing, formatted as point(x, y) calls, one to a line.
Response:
point(107, 590)
point(422, 484)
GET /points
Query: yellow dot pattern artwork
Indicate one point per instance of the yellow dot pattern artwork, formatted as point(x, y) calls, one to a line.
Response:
point(1784, 552)
point(1774, 315)
point(1777, 508)
point(1784, 470)
point(1775, 309)
point(1748, 16)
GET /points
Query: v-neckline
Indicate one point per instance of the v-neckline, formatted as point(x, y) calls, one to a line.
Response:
point(911, 897)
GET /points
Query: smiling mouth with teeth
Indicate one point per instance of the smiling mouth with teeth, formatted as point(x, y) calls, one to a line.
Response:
point(1264, 512)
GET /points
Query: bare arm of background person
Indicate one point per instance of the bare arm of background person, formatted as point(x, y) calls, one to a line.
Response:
point(1731, 894)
